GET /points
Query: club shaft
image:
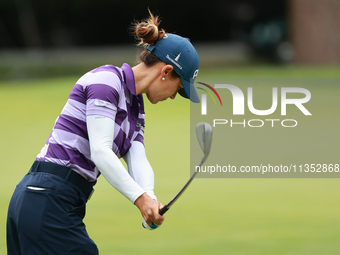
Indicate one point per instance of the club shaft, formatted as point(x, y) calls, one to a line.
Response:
point(168, 205)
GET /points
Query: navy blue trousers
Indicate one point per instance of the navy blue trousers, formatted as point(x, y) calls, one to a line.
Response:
point(45, 216)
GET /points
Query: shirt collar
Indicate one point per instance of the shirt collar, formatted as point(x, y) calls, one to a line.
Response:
point(129, 78)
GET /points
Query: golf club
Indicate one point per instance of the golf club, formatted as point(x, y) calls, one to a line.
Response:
point(204, 136)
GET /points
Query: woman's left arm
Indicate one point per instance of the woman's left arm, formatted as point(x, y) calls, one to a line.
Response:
point(140, 169)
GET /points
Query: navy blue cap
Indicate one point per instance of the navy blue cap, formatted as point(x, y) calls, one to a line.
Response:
point(178, 51)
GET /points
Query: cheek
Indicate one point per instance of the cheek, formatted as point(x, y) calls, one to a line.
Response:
point(165, 89)
point(151, 98)
point(173, 88)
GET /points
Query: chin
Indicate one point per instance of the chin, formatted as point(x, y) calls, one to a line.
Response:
point(152, 100)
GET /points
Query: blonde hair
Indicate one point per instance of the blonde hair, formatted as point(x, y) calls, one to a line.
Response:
point(147, 31)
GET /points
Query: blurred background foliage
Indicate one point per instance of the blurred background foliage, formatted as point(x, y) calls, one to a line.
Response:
point(42, 38)
point(36, 23)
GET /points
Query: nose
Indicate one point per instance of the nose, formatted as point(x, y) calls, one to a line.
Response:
point(174, 95)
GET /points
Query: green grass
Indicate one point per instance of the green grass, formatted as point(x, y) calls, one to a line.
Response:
point(214, 216)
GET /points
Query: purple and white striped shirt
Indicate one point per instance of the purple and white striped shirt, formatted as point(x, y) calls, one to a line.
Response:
point(108, 91)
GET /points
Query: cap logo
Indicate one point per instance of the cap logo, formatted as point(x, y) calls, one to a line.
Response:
point(195, 74)
point(174, 62)
point(176, 59)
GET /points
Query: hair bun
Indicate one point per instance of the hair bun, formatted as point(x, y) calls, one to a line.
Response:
point(147, 31)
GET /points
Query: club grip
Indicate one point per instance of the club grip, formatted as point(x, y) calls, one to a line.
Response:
point(154, 226)
point(163, 210)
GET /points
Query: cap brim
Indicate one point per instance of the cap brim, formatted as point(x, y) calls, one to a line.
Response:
point(189, 91)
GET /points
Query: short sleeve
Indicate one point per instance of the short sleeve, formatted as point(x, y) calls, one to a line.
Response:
point(103, 91)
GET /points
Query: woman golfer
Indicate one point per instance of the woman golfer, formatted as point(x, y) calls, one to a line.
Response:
point(102, 121)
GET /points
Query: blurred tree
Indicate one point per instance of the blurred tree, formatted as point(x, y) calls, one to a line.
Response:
point(73, 23)
point(28, 23)
point(315, 33)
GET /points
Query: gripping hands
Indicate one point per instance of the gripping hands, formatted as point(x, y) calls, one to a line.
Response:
point(149, 209)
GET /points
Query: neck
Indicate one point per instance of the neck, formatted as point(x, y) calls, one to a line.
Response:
point(144, 76)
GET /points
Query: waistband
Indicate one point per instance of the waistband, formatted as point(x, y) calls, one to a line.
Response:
point(66, 173)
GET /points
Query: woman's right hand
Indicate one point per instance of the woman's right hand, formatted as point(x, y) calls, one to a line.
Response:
point(149, 209)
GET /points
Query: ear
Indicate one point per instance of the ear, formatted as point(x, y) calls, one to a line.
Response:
point(166, 70)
